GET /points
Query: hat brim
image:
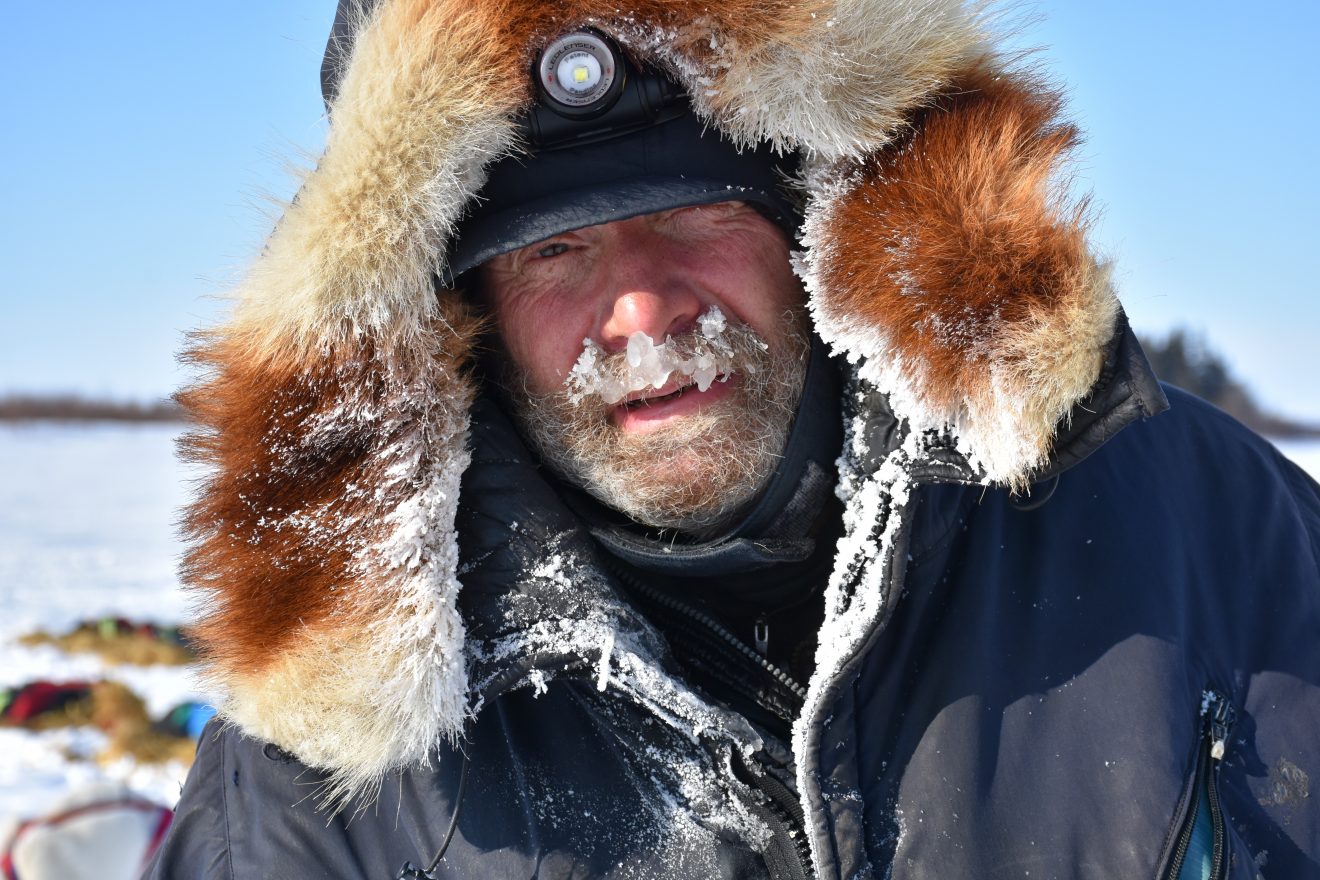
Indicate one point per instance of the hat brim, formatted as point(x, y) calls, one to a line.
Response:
point(553, 215)
point(529, 197)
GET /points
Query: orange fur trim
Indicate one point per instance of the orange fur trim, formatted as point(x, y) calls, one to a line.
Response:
point(956, 253)
point(293, 487)
point(968, 244)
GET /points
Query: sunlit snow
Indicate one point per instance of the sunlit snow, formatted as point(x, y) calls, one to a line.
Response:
point(87, 530)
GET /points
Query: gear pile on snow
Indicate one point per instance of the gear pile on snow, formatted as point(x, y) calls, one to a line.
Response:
point(100, 831)
point(119, 640)
point(112, 708)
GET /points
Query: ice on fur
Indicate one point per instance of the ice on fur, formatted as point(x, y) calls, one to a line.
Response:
point(704, 356)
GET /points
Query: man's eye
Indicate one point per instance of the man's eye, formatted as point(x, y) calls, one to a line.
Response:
point(552, 250)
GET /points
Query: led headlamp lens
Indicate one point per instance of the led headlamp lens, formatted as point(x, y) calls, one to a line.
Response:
point(579, 73)
point(577, 70)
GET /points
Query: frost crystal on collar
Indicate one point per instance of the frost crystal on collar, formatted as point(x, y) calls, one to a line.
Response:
point(703, 357)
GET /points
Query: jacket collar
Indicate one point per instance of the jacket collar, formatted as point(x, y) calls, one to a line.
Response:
point(1126, 390)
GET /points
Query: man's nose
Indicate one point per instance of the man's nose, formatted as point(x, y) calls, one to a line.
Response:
point(649, 295)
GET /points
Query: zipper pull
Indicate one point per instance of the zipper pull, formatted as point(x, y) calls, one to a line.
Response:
point(1222, 717)
point(761, 636)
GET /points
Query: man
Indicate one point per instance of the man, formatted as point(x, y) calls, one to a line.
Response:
point(591, 562)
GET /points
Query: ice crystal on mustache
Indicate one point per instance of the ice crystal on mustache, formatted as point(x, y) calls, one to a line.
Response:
point(703, 357)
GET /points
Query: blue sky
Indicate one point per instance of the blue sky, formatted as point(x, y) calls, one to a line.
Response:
point(142, 142)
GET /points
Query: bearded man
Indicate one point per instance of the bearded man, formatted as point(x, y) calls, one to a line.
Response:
point(683, 441)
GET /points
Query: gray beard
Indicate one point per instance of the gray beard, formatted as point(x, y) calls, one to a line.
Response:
point(694, 474)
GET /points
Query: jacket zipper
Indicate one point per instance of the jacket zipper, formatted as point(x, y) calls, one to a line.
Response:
point(715, 627)
point(1218, 719)
point(783, 813)
point(782, 805)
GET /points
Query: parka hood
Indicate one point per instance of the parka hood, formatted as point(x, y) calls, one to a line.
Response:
point(940, 257)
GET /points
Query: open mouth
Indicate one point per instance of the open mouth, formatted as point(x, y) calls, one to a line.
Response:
point(646, 413)
point(649, 401)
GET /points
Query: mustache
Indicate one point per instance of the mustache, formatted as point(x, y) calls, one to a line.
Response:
point(710, 352)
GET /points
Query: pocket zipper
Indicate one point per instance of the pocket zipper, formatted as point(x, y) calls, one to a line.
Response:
point(1217, 719)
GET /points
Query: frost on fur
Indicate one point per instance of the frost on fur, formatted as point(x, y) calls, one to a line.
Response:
point(955, 271)
point(836, 79)
point(877, 503)
point(326, 552)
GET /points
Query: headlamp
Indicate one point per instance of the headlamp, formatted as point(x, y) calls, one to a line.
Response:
point(578, 74)
point(607, 139)
point(588, 91)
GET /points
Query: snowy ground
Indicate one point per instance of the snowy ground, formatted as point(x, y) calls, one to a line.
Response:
point(1304, 452)
point(87, 529)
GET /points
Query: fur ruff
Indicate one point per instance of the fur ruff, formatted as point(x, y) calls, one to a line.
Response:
point(952, 267)
point(332, 410)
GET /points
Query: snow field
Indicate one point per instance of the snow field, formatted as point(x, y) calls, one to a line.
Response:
point(1305, 452)
point(86, 530)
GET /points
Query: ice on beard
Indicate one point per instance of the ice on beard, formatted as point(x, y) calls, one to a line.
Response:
point(650, 366)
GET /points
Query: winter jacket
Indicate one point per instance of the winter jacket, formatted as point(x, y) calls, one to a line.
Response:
point(1052, 620)
point(1042, 694)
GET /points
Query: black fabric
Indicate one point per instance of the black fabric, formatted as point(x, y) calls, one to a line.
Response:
point(1048, 667)
point(560, 786)
point(1031, 706)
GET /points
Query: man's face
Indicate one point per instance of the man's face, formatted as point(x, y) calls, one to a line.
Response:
point(675, 456)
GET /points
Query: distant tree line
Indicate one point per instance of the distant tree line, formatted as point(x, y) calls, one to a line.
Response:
point(76, 408)
point(1184, 359)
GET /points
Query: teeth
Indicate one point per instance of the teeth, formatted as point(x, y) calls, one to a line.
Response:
point(645, 401)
